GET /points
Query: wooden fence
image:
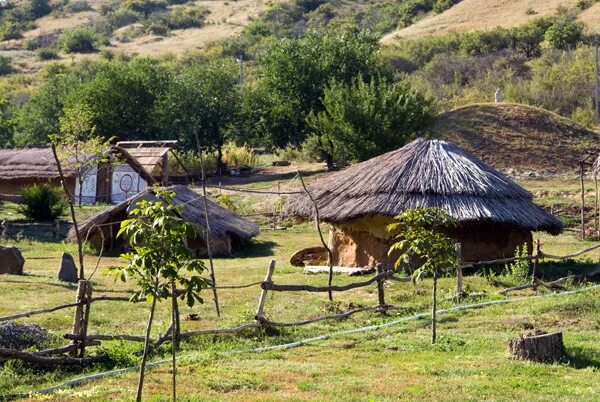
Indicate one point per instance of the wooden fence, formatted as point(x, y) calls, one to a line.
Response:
point(80, 339)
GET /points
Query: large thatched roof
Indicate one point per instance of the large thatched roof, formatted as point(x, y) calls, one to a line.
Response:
point(39, 163)
point(424, 174)
point(222, 221)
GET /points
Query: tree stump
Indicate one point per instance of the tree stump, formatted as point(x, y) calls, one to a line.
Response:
point(539, 347)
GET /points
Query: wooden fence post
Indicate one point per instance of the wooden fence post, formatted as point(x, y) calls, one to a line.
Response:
point(581, 177)
point(263, 294)
point(82, 312)
point(536, 261)
point(4, 230)
point(380, 288)
point(459, 273)
point(57, 229)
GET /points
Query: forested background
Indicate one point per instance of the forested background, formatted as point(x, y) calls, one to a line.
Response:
point(316, 79)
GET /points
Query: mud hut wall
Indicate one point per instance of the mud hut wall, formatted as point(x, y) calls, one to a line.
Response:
point(365, 242)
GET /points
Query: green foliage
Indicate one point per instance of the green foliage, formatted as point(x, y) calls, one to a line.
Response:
point(519, 270)
point(296, 72)
point(565, 32)
point(46, 54)
point(187, 17)
point(79, 40)
point(10, 29)
point(5, 65)
point(161, 258)
point(41, 202)
point(442, 5)
point(236, 156)
point(365, 119)
point(38, 8)
point(145, 7)
point(124, 16)
point(6, 124)
point(419, 235)
point(226, 201)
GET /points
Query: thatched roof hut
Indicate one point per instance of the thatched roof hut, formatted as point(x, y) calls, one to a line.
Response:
point(229, 232)
point(24, 167)
point(494, 214)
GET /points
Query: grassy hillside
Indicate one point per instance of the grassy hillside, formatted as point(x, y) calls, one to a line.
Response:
point(473, 15)
point(516, 136)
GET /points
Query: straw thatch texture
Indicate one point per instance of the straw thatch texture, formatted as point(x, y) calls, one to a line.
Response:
point(223, 222)
point(425, 174)
point(39, 163)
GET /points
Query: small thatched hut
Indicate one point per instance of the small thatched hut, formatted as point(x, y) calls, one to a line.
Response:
point(229, 232)
point(494, 215)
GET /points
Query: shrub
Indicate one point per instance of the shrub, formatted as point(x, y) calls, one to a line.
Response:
point(41, 202)
point(5, 65)
point(158, 28)
point(46, 54)
point(565, 33)
point(237, 156)
point(38, 8)
point(442, 5)
point(79, 40)
point(519, 270)
point(145, 7)
point(10, 30)
point(78, 6)
point(123, 17)
point(187, 17)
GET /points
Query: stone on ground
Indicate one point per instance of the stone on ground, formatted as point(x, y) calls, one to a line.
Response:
point(11, 260)
point(68, 270)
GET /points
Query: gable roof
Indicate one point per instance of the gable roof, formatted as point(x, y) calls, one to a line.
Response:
point(425, 174)
point(31, 163)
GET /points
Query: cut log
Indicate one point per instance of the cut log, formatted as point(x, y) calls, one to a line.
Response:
point(539, 347)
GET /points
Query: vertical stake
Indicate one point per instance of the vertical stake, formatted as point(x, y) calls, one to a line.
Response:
point(581, 174)
point(79, 315)
point(597, 91)
point(536, 261)
point(380, 288)
point(459, 272)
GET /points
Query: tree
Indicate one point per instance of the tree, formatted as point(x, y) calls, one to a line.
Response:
point(202, 105)
point(566, 31)
point(158, 235)
point(6, 124)
point(419, 235)
point(297, 71)
point(365, 119)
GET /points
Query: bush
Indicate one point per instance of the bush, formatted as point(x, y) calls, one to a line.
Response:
point(565, 32)
point(123, 17)
point(145, 7)
point(46, 54)
point(187, 17)
point(41, 202)
point(78, 6)
point(442, 5)
point(237, 156)
point(5, 65)
point(79, 40)
point(10, 30)
point(38, 8)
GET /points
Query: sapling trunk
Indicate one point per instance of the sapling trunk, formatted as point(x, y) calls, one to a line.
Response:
point(174, 339)
point(146, 350)
point(434, 308)
point(72, 209)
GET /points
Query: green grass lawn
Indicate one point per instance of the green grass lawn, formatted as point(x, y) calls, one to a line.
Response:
point(397, 363)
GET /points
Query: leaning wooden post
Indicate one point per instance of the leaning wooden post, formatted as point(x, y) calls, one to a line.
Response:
point(263, 294)
point(380, 288)
point(536, 261)
point(79, 315)
point(581, 174)
point(459, 272)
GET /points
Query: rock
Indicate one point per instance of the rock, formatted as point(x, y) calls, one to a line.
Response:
point(11, 261)
point(68, 270)
point(21, 336)
point(281, 163)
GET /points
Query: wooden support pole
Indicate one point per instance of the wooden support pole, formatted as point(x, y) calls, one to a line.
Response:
point(57, 229)
point(380, 288)
point(86, 317)
point(597, 214)
point(434, 309)
point(538, 251)
point(263, 294)
point(79, 318)
point(459, 273)
point(581, 175)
